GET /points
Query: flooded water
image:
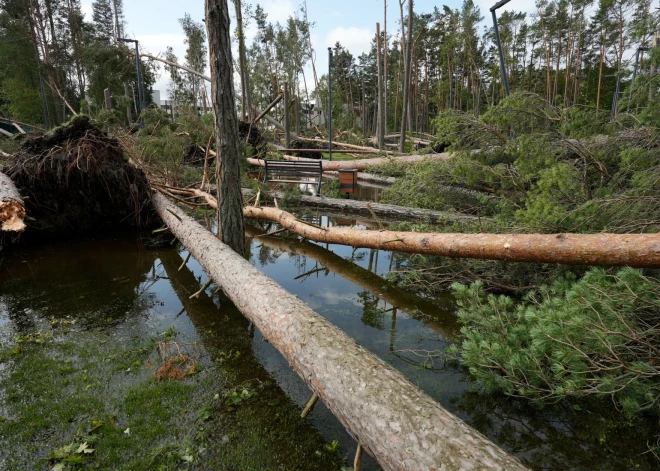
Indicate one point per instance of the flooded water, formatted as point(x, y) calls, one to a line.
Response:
point(126, 289)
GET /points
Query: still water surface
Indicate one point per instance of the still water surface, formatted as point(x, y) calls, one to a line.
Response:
point(100, 278)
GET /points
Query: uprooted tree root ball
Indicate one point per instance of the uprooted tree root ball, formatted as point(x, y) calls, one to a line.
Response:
point(76, 180)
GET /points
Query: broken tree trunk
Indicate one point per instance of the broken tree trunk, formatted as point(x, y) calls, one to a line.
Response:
point(634, 250)
point(402, 427)
point(12, 210)
point(342, 144)
point(361, 164)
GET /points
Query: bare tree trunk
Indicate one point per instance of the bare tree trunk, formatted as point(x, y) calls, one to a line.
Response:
point(242, 61)
point(385, 54)
point(406, 83)
point(600, 72)
point(390, 417)
point(363, 208)
point(381, 98)
point(231, 227)
point(12, 211)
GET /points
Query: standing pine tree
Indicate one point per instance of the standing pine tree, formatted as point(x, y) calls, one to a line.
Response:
point(103, 18)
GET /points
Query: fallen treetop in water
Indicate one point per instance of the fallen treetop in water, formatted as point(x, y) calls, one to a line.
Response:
point(12, 211)
point(398, 424)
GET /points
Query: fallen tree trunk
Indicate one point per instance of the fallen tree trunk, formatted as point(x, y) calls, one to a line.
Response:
point(634, 250)
point(12, 210)
point(402, 427)
point(343, 144)
point(363, 208)
point(361, 164)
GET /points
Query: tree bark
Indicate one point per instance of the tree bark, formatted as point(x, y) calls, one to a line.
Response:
point(634, 250)
point(406, 82)
point(12, 210)
point(231, 227)
point(393, 420)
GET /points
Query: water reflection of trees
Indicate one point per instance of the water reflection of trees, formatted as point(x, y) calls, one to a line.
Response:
point(226, 333)
point(559, 437)
point(104, 280)
point(435, 313)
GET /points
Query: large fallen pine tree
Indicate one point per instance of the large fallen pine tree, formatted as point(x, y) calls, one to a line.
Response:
point(398, 424)
point(632, 250)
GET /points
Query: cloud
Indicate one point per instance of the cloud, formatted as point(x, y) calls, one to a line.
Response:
point(278, 10)
point(86, 7)
point(356, 40)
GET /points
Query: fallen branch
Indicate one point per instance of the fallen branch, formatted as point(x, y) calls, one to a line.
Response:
point(402, 427)
point(12, 210)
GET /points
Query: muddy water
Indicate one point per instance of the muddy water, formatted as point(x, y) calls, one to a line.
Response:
point(127, 289)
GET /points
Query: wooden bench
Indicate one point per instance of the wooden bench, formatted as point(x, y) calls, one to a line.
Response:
point(301, 172)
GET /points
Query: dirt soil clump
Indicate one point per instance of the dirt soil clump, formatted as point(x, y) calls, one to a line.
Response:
point(75, 180)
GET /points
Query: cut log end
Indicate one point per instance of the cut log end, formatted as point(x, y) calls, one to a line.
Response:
point(12, 214)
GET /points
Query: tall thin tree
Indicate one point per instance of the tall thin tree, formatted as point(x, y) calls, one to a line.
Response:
point(231, 226)
point(406, 80)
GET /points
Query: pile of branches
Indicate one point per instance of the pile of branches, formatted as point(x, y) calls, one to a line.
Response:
point(249, 134)
point(76, 180)
point(297, 144)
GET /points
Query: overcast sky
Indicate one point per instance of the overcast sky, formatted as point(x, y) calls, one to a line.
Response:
point(351, 22)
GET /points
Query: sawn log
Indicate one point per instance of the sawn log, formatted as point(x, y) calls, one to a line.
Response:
point(12, 210)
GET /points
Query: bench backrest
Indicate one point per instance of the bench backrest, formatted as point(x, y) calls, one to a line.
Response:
point(297, 168)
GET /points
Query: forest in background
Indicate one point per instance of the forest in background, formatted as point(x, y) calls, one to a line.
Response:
point(572, 53)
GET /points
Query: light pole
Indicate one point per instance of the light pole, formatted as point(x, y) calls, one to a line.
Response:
point(140, 82)
point(499, 43)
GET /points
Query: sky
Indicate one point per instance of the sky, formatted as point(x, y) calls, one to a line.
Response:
point(351, 22)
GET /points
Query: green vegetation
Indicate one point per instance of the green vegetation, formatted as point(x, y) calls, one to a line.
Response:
point(596, 336)
point(561, 333)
